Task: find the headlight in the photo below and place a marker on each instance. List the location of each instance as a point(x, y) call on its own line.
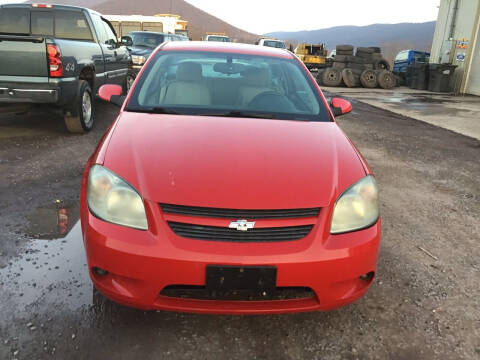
point(112, 199)
point(138, 60)
point(357, 207)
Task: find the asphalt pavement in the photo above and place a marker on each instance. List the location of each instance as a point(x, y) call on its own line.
point(424, 304)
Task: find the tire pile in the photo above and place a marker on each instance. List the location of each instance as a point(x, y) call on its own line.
point(367, 68)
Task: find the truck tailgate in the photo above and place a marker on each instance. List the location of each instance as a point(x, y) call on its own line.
point(23, 56)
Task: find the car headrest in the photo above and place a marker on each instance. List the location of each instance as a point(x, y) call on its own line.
point(189, 71)
point(257, 77)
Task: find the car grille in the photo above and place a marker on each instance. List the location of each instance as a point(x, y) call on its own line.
point(215, 233)
point(239, 213)
point(201, 293)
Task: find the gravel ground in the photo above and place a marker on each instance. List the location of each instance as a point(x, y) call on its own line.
point(424, 304)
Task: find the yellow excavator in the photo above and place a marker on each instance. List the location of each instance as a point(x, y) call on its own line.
point(314, 56)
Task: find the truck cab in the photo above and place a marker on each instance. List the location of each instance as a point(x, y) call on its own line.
point(406, 58)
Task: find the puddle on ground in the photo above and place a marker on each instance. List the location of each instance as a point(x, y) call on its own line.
point(52, 269)
point(52, 221)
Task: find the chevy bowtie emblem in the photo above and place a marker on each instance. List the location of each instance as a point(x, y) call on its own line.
point(242, 225)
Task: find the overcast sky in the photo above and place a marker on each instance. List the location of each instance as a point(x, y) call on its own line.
point(262, 16)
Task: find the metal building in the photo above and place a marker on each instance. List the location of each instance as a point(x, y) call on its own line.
point(457, 41)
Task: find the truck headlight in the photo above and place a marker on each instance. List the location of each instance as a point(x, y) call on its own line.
point(112, 199)
point(138, 60)
point(357, 208)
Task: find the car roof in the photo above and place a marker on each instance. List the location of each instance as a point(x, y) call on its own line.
point(54, 6)
point(226, 47)
point(267, 39)
point(148, 32)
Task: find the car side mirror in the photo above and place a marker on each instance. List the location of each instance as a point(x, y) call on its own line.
point(112, 93)
point(340, 106)
point(126, 41)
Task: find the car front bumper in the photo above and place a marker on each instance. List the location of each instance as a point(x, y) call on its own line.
point(142, 263)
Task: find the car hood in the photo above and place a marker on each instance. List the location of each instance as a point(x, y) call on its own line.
point(232, 162)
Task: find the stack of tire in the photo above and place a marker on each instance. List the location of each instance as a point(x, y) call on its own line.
point(366, 68)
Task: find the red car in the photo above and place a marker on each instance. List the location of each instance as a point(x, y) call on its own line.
point(226, 186)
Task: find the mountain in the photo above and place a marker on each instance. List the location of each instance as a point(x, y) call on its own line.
point(390, 37)
point(370, 35)
point(199, 21)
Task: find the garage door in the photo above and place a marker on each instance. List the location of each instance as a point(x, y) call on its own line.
point(473, 85)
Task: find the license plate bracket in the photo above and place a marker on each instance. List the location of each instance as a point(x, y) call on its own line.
point(259, 279)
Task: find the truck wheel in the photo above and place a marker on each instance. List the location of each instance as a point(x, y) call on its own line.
point(386, 79)
point(368, 78)
point(332, 77)
point(80, 118)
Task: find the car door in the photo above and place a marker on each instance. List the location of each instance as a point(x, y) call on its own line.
point(103, 64)
point(118, 63)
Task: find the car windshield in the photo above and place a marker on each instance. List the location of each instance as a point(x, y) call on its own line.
point(226, 84)
point(147, 40)
point(275, 44)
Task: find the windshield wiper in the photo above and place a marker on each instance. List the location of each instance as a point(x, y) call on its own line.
point(241, 114)
point(233, 113)
point(152, 110)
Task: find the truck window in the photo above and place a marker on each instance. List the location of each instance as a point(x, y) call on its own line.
point(419, 57)
point(72, 25)
point(42, 23)
point(402, 56)
point(14, 21)
point(111, 37)
point(101, 34)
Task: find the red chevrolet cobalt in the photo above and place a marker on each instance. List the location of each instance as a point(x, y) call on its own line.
point(226, 186)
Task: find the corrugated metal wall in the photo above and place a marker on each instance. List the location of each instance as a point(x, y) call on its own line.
point(456, 26)
point(472, 80)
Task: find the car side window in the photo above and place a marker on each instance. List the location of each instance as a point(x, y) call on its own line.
point(101, 34)
point(111, 37)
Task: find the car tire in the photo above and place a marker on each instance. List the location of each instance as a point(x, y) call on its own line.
point(386, 79)
point(381, 64)
point(332, 77)
point(344, 48)
point(358, 66)
point(341, 58)
point(356, 60)
point(350, 79)
point(347, 52)
point(130, 78)
point(376, 49)
point(338, 65)
point(364, 50)
point(368, 79)
point(80, 117)
point(319, 76)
